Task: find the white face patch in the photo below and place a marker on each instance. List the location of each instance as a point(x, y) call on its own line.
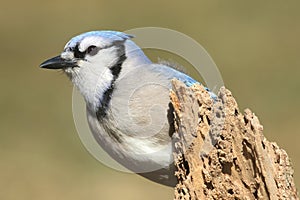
point(94, 76)
point(86, 42)
point(69, 71)
point(67, 55)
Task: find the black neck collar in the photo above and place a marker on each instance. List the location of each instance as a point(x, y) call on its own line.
point(106, 97)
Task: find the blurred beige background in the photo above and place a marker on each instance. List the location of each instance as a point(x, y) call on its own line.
point(255, 44)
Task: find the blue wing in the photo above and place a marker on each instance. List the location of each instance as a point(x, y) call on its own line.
point(188, 81)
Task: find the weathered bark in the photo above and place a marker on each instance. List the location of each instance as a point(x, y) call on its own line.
point(221, 153)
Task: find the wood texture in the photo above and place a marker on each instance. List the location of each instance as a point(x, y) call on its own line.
point(221, 153)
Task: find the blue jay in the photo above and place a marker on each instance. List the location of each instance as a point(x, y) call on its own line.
point(127, 100)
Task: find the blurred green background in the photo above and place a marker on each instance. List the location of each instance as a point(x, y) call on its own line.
point(255, 44)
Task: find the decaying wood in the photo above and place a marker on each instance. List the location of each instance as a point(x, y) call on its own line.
point(221, 153)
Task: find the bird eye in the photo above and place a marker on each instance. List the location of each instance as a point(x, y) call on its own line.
point(92, 50)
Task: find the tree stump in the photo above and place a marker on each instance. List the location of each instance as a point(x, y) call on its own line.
point(221, 153)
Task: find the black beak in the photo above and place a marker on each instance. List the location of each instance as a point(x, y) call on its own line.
point(58, 63)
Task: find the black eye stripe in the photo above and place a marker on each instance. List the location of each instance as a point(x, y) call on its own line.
point(77, 53)
point(91, 50)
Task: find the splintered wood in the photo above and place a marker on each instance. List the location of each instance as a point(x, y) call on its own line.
point(221, 153)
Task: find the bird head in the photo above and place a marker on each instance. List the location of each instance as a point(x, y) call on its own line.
point(93, 61)
point(96, 49)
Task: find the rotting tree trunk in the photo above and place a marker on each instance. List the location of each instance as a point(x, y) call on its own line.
point(221, 153)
